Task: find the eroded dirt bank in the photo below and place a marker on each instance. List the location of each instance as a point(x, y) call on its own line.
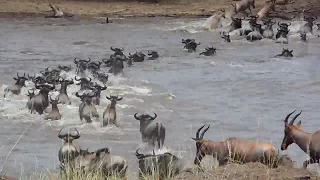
point(126, 8)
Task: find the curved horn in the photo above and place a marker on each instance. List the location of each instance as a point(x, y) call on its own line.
point(88, 60)
point(289, 24)
point(197, 134)
point(121, 48)
point(287, 117)
point(75, 77)
point(204, 131)
point(119, 99)
point(61, 136)
point(279, 23)
point(112, 48)
point(76, 136)
point(138, 155)
point(294, 118)
point(155, 116)
point(77, 94)
point(89, 78)
point(135, 116)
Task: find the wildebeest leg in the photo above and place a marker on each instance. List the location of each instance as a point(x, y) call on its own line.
point(311, 161)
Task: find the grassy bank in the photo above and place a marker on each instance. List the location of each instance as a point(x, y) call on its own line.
point(131, 8)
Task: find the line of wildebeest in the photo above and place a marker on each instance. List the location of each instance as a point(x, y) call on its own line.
point(152, 133)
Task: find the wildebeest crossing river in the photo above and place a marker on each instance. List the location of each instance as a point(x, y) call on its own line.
point(242, 91)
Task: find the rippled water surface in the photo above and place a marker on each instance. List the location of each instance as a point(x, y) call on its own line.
point(242, 91)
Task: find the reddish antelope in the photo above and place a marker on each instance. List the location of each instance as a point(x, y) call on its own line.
point(54, 114)
point(267, 8)
point(308, 142)
point(241, 150)
point(243, 5)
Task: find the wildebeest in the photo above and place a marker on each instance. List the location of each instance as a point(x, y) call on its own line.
point(267, 8)
point(137, 57)
point(282, 36)
point(308, 142)
point(268, 29)
point(102, 161)
point(96, 89)
point(65, 68)
point(163, 165)
point(151, 132)
point(116, 64)
point(81, 65)
point(63, 95)
point(285, 53)
point(117, 51)
point(226, 37)
point(210, 51)
point(93, 66)
point(303, 37)
point(153, 55)
point(30, 94)
point(85, 83)
point(110, 114)
point(16, 88)
point(101, 77)
point(317, 33)
point(243, 5)
point(190, 45)
point(68, 151)
point(307, 27)
point(248, 26)
point(240, 150)
point(40, 101)
point(256, 34)
point(57, 13)
point(54, 114)
point(235, 24)
point(86, 109)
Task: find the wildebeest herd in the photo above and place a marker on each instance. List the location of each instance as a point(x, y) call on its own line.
point(154, 133)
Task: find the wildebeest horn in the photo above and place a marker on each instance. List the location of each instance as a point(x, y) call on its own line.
point(76, 136)
point(279, 23)
point(75, 77)
point(75, 61)
point(294, 118)
point(51, 98)
point(278, 29)
point(77, 94)
point(88, 60)
point(61, 136)
point(289, 24)
point(135, 116)
point(119, 99)
point(287, 117)
point(155, 116)
point(121, 48)
point(112, 48)
point(138, 155)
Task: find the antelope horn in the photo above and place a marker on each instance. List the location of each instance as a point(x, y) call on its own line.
point(287, 117)
point(294, 118)
point(204, 131)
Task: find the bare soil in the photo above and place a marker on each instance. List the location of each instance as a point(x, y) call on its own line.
point(132, 8)
point(252, 171)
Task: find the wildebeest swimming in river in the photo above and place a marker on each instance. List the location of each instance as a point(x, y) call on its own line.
point(16, 88)
point(285, 53)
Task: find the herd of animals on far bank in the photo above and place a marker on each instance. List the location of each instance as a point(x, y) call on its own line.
point(254, 28)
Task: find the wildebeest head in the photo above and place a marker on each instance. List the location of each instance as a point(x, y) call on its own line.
point(303, 37)
point(286, 53)
point(117, 64)
point(86, 97)
point(288, 127)
point(97, 89)
point(190, 45)
point(44, 89)
point(117, 51)
point(64, 68)
point(284, 26)
point(54, 102)
point(20, 80)
point(84, 83)
point(236, 22)
point(31, 94)
point(209, 51)
point(81, 64)
point(93, 66)
point(258, 27)
point(186, 41)
point(68, 137)
point(226, 37)
point(282, 33)
point(101, 77)
point(145, 120)
point(310, 21)
point(64, 83)
point(114, 100)
point(252, 21)
point(137, 57)
point(153, 55)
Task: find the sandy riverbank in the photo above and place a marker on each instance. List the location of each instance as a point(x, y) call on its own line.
point(126, 8)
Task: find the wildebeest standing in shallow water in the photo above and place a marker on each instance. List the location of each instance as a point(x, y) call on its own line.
point(151, 132)
point(63, 95)
point(87, 110)
point(40, 101)
point(110, 114)
point(68, 151)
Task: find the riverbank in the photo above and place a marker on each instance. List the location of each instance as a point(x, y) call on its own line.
point(125, 8)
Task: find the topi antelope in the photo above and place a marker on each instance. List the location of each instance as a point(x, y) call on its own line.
point(54, 114)
point(267, 8)
point(241, 150)
point(151, 132)
point(308, 142)
point(110, 114)
point(243, 5)
point(16, 88)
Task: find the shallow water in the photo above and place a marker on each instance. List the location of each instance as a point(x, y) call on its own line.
point(242, 91)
